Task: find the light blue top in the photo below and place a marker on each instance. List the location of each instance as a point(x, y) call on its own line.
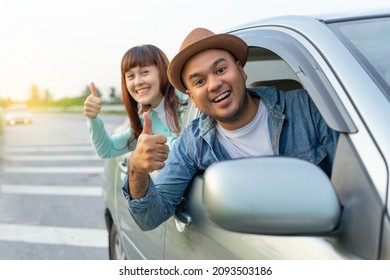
point(296, 129)
point(109, 146)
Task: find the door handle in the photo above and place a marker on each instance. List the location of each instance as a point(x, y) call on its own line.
point(182, 218)
point(123, 167)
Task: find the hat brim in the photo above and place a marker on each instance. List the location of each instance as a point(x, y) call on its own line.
point(233, 44)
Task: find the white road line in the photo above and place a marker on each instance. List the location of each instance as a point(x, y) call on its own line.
point(24, 149)
point(51, 190)
point(83, 237)
point(50, 157)
point(53, 170)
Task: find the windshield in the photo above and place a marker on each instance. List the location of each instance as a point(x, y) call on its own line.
point(17, 108)
point(369, 41)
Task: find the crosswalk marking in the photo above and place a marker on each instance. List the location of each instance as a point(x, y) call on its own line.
point(49, 150)
point(28, 149)
point(51, 190)
point(83, 237)
point(51, 170)
point(51, 157)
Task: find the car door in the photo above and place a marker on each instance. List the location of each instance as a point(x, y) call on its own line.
point(360, 176)
point(136, 243)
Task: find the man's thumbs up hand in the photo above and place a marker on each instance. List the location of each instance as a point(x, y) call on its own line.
point(147, 129)
point(151, 150)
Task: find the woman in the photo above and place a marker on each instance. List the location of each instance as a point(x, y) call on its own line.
point(145, 88)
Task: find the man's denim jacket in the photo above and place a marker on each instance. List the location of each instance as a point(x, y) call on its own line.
point(296, 129)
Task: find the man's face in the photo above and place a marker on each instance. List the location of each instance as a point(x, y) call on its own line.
point(216, 84)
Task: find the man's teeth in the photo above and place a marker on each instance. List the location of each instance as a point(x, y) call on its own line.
point(222, 96)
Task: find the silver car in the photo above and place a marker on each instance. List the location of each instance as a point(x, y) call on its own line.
point(18, 113)
point(287, 208)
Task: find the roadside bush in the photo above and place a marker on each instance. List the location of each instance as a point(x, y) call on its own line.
point(1, 123)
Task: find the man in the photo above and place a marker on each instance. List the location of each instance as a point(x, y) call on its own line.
point(235, 122)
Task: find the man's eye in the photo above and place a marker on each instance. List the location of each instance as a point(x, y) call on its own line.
point(221, 70)
point(199, 82)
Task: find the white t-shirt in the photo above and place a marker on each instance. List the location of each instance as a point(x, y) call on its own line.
point(250, 140)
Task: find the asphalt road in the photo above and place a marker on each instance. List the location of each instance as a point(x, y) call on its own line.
point(51, 204)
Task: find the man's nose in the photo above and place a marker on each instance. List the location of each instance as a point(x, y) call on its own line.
point(214, 83)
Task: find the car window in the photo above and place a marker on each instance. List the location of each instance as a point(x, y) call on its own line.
point(368, 40)
point(298, 64)
point(264, 65)
point(19, 107)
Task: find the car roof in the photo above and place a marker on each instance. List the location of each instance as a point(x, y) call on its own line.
point(293, 20)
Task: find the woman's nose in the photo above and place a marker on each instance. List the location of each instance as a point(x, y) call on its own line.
point(138, 80)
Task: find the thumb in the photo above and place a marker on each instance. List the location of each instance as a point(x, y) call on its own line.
point(147, 129)
point(93, 89)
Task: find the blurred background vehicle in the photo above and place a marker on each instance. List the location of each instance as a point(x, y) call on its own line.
point(284, 208)
point(18, 113)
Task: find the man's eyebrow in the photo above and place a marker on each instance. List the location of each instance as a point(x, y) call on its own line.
point(218, 61)
point(215, 64)
point(193, 75)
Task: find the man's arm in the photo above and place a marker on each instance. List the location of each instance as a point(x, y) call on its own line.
point(327, 137)
point(139, 182)
point(161, 196)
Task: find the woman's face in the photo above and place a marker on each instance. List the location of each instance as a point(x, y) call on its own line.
point(143, 85)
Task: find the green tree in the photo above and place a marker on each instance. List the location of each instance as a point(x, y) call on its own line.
point(47, 96)
point(34, 95)
point(114, 97)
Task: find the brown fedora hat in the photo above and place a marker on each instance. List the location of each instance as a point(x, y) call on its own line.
point(201, 39)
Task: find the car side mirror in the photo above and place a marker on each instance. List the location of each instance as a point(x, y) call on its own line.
point(270, 195)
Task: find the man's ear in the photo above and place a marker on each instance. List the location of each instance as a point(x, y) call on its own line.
point(189, 94)
point(192, 98)
point(241, 69)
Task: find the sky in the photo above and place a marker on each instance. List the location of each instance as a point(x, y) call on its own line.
point(62, 46)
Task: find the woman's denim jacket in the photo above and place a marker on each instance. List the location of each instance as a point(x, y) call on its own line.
point(296, 129)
